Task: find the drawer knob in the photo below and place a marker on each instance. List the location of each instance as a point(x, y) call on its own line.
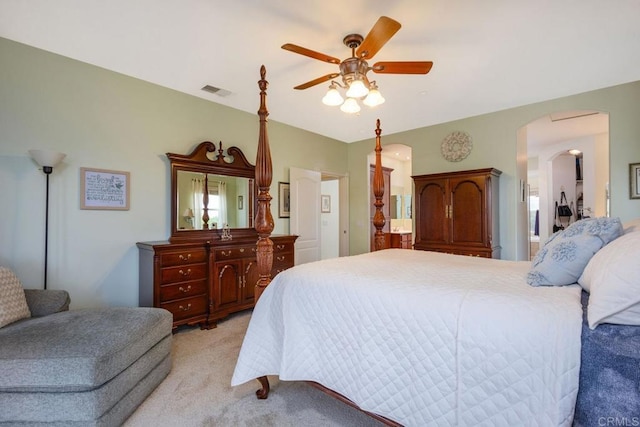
point(280, 247)
point(187, 308)
point(281, 258)
point(226, 253)
point(185, 273)
point(181, 289)
point(184, 258)
point(241, 250)
point(253, 249)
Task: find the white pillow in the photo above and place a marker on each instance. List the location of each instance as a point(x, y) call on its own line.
point(13, 303)
point(631, 226)
point(613, 279)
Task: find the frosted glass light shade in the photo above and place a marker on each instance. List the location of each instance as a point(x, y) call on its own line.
point(357, 89)
point(374, 98)
point(46, 158)
point(350, 106)
point(333, 97)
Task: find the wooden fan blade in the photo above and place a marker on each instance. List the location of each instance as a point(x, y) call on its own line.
point(310, 53)
point(379, 34)
point(399, 67)
point(317, 81)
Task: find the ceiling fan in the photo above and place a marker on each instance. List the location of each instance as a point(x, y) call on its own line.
point(354, 69)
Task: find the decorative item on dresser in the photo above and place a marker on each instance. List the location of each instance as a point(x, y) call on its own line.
point(457, 212)
point(208, 269)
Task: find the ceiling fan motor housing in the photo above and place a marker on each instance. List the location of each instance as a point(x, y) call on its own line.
point(352, 68)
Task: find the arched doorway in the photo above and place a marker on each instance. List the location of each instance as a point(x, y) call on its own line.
point(566, 151)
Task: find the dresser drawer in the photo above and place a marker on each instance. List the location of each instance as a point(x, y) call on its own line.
point(282, 260)
point(187, 307)
point(183, 290)
point(182, 258)
point(235, 252)
point(183, 273)
point(282, 247)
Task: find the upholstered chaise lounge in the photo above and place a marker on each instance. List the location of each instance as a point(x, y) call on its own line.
point(88, 367)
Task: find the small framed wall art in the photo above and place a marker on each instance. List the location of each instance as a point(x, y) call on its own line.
point(284, 200)
point(104, 189)
point(634, 180)
point(325, 203)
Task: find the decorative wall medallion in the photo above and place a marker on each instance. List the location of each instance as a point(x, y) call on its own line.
point(456, 146)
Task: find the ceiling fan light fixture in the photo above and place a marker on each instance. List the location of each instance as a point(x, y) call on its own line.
point(332, 97)
point(350, 106)
point(374, 98)
point(357, 89)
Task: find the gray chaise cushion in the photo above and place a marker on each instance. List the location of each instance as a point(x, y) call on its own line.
point(60, 352)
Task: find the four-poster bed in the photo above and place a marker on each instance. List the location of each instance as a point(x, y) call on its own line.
point(424, 338)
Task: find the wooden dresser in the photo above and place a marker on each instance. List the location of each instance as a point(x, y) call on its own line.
point(208, 267)
point(204, 281)
point(457, 212)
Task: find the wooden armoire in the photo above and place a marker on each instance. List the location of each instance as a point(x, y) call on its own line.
point(457, 212)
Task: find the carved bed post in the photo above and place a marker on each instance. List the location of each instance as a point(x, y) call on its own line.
point(264, 220)
point(378, 192)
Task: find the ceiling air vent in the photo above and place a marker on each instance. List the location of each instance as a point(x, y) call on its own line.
point(216, 90)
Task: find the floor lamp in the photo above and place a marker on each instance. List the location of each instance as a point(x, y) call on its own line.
point(48, 160)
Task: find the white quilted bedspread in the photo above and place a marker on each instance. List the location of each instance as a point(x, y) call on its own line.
point(423, 338)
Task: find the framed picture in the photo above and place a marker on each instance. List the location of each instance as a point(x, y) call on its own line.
point(325, 203)
point(284, 201)
point(104, 189)
point(634, 180)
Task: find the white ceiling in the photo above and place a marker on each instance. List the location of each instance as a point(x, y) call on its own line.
point(488, 55)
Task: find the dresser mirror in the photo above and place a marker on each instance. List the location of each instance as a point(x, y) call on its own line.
point(211, 188)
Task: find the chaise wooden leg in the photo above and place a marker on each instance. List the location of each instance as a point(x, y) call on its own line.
point(263, 393)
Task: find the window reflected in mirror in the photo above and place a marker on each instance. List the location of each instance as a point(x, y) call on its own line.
point(209, 201)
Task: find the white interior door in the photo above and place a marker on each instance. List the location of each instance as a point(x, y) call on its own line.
point(305, 213)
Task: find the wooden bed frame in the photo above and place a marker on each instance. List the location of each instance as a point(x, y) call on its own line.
point(264, 224)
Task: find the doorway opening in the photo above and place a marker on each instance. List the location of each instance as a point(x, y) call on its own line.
point(319, 214)
point(567, 153)
point(334, 216)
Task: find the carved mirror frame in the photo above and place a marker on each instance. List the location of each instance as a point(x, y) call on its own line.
point(208, 159)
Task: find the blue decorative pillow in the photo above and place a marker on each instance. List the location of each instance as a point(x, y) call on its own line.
point(566, 253)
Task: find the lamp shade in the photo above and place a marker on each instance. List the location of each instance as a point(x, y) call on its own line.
point(46, 158)
point(350, 106)
point(333, 97)
point(373, 98)
point(357, 89)
point(188, 213)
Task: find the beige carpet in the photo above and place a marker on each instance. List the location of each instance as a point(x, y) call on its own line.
point(197, 392)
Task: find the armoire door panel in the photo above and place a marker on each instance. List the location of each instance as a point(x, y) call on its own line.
point(432, 209)
point(467, 211)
